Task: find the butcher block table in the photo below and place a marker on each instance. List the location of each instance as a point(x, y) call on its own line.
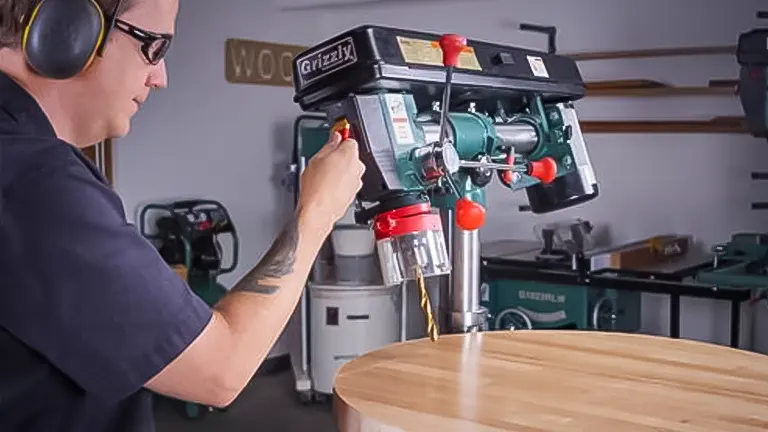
point(541, 381)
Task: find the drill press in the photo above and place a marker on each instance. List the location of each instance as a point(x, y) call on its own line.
point(435, 116)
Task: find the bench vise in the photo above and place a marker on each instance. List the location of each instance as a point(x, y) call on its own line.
point(437, 117)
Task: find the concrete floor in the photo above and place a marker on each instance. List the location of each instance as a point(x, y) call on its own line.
point(269, 403)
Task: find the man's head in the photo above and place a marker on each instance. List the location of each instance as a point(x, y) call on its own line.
point(99, 102)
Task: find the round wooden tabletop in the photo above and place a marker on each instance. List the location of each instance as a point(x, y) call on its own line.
point(553, 381)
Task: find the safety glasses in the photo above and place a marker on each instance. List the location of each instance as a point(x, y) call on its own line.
point(154, 46)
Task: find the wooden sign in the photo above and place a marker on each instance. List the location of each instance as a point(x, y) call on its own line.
point(260, 63)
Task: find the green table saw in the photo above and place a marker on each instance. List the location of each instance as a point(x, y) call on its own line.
point(521, 304)
point(512, 276)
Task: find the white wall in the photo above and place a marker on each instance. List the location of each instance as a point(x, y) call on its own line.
point(232, 142)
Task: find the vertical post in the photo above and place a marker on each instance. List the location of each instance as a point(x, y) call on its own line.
point(466, 315)
point(445, 296)
point(304, 301)
point(460, 292)
point(404, 311)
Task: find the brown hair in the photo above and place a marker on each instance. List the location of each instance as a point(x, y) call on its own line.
point(13, 13)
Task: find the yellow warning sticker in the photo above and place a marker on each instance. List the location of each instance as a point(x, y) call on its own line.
point(420, 51)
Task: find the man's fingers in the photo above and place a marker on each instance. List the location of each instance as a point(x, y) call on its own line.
point(333, 142)
point(349, 145)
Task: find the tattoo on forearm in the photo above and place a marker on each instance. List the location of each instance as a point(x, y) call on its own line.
point(276, 263)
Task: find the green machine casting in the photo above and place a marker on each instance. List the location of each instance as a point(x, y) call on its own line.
point(520, 304)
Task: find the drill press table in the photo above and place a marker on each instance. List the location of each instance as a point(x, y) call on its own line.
point(553, 381)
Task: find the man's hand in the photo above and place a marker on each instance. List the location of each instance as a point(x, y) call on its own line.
point(215, 368)
point(331, 179)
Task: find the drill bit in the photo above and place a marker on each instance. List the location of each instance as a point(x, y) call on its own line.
point(432, 330)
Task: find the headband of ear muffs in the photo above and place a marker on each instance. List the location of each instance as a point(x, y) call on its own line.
point(62, 37)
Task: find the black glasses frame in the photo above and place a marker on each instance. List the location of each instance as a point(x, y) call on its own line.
point(147, 39)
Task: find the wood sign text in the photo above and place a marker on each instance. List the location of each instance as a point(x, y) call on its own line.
point(260, 63)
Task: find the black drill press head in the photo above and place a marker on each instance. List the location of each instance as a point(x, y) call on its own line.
point(434, 116)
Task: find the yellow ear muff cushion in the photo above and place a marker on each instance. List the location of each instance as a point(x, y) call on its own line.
point(62, 37)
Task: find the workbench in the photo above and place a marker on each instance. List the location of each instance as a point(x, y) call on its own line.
point(671, 279)
point(553, 380)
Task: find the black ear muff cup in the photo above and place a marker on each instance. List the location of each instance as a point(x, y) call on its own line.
point(62, 37)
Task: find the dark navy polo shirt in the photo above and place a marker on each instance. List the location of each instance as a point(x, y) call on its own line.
point(88, 309)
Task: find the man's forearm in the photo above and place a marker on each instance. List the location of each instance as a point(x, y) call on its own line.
point(258, 307)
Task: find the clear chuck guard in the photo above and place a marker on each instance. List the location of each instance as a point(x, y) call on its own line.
point(409, 240)
point(410, 245)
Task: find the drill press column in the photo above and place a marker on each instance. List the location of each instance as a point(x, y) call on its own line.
point(466, 313)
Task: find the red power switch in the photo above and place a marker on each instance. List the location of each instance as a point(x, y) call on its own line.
point(544, 169)
point(452, 46)
point(469, 214)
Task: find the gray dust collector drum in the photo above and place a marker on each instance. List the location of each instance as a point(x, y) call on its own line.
point(355, 259)
point(348, 321)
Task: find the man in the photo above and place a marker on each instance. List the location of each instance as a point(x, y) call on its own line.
point(91, 319)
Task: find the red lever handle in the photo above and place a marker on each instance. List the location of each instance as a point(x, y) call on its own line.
point(345, 132)
point(452, 45)
point(469, 214)
point(544, 169)
point(508, 176)
point(343, 128)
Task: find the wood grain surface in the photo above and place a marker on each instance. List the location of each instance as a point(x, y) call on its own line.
point(534, 381)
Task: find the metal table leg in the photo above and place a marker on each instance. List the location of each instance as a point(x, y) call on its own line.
point(674, 316)
point(735, 323)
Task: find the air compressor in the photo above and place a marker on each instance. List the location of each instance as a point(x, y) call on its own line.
point(187, 236)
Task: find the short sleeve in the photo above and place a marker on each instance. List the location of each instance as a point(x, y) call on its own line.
point(83, 288)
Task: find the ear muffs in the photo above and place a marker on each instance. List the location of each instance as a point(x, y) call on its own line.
point(62, 37)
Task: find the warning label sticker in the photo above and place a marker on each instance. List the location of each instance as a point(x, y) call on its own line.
point(419, 51)
point(538, 67)
point(398, 114)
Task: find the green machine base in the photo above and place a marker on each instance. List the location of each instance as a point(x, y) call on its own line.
point(516, 304)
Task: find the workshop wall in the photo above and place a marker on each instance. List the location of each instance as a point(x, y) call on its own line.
point(232, 142)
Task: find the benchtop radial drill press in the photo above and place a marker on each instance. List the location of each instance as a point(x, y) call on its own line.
point(435, 117)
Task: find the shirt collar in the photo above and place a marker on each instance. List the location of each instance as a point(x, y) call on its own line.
point(19, 108)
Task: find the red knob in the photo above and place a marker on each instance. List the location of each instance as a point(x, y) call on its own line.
point(469, 214)
point(544, 169)
point(452, 46)
point(345, 132)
